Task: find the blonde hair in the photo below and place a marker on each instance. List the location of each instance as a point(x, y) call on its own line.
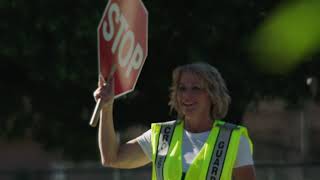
point(213, 82)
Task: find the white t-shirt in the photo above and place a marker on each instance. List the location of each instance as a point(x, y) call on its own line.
point(192, 144)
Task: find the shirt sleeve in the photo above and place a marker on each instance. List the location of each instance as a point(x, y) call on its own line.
point(144, 141)
point(244, 156)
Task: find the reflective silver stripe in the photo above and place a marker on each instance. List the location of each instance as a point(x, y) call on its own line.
point(165, 137)
point(220, 151)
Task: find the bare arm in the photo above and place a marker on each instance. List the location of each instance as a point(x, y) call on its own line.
point(128, 155)
point(244, 173)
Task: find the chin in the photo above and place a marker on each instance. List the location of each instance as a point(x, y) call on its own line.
point(189, 115)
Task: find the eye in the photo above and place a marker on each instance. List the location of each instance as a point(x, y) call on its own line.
point(196, 88)
point(182, 88)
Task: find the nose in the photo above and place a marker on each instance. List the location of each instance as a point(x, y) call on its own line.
point(187, 93)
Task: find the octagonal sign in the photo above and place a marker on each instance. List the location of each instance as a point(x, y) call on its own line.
point(123, 41)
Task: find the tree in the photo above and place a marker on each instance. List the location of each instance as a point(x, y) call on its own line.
point(49, 65)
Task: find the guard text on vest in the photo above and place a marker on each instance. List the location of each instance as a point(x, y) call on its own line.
point(217, 162)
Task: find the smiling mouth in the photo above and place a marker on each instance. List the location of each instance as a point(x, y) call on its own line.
point(188, 104)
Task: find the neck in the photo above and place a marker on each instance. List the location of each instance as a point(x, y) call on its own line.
point(197, 125)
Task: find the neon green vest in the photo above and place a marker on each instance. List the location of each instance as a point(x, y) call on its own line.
point(210, 164)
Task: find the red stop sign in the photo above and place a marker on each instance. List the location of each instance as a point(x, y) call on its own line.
point(123, 41)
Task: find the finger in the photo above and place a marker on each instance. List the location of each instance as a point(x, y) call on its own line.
point(112, 71)
point(101, 81)
point(105, 94)
point(109, 88)
point(97, 94)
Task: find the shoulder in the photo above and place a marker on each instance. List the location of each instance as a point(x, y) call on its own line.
point(244, 155)
point(166, 122)
point(229, 125)
point(164, 127)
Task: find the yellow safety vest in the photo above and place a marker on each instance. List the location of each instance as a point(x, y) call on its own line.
point(215, 161)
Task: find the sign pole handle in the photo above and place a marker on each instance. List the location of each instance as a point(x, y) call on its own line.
point(95, 115)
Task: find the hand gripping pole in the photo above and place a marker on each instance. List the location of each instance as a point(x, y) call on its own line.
point(95, 115)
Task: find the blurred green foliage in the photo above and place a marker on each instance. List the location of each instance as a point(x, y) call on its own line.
point(48, 53)
point(288, 36)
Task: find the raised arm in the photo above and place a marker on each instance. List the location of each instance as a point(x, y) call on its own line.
point(128, 155)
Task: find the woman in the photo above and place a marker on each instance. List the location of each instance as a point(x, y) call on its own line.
point(196, 146)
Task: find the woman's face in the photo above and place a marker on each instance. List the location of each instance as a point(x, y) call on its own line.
point(193, 99)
